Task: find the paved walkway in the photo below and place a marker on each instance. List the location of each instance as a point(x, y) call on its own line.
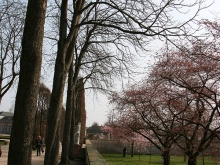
point(36, 160)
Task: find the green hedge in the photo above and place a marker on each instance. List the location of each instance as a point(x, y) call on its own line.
point(4, 136)
point(4, 142)
point(4, 139)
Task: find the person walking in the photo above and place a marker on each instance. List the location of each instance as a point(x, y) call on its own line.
point(38, 144)
point(124, 151)
point(0, 151)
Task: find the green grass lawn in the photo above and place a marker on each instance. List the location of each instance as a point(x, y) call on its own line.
point(117, 159)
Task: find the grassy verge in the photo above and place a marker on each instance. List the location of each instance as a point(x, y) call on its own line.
point(117, 159)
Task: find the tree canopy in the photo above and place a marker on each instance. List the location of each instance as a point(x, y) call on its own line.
point(178, 103)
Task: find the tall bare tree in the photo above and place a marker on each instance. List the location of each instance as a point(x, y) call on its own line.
point(20, 148)
point(72, 93)
point(12, 23)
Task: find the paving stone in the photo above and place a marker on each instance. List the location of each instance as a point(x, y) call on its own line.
point(36, 160)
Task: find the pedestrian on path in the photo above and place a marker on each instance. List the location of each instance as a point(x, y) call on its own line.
point(124, 152)
point(0, 151)
point(38, 144)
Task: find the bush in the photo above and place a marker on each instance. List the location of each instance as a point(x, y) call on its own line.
point(4, 142)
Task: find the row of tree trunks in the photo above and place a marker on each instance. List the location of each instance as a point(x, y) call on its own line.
point(75, 114)
point(64, 59)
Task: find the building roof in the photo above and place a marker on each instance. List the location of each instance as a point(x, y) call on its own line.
point(2, 113)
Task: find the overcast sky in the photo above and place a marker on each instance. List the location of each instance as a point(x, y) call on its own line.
point(97, 108)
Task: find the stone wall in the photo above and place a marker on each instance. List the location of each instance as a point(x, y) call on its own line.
point(115, 147)
point(93, 157)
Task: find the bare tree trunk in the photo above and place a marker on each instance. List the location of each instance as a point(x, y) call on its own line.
point(20, 148)
point(68, 118)
point(184, 157)
point(41, 114)
point(72, 130)
point(56, 146)
point(81, 108)
point(63, 61)
point(166, 156)
point(192, 161)
point(54, 114)
point(35, 123)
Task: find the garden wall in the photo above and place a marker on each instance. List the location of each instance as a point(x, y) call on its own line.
point(115, 147)
point(93, 157)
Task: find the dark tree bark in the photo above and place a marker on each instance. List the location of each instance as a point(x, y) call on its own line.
point(192, 161)
point(68, 118)
point(81, 102)
point(166, 157)
point(35, 125)
point(55, 148)
point(20, 148)
point(72, 130)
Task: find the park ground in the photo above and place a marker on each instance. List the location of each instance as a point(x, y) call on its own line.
point(36, 160)
point(117, 159)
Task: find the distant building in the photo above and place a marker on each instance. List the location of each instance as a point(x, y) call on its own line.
point(96, 132)
point(6, 119)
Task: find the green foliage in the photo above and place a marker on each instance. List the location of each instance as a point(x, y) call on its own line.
point(4, 142)
point(4, 139)
point(4, 136)
point(117, 159)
